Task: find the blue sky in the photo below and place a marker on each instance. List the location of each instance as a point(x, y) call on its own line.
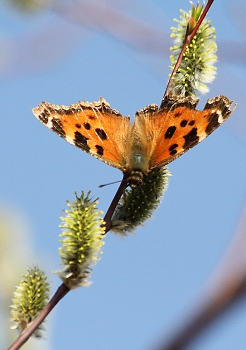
point(144, 285)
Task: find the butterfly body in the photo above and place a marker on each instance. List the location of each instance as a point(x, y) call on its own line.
point(156, 138)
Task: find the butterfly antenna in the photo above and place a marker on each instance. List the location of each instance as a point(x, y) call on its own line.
point(110, 183)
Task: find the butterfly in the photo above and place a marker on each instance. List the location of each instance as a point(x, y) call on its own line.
point(157, 136)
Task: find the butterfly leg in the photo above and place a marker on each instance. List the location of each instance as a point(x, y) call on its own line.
point(154, 188)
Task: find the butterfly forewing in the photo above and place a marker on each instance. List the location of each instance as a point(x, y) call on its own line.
point(93, 127)
point(184, 127)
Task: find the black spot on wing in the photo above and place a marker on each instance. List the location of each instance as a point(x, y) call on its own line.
point(170, 131)
point(81, 141)
point(101, 133)
point(183, 123)
point(191, 139)
point(192, 122)
point(57, 127)
point(78, 125)
point(177, 114)
point(212, 123)
point(100, 150)
point(172, 150)
point(43, 118)
point(87, 126)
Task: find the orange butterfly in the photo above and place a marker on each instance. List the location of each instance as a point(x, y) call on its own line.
point(156, 138)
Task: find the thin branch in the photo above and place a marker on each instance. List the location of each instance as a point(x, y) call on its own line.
point(26, 334)
point(111, 209)
point(187, 42)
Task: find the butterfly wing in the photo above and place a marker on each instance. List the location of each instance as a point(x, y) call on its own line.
point(93, 127)
point(177, 126)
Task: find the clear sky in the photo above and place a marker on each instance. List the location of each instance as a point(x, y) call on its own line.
point(145, 284)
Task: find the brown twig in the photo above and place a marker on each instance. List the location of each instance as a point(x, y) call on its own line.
point(25, 335)
point(187, 42)
point(111, 209)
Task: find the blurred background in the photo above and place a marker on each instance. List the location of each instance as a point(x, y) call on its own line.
point(144, 285)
